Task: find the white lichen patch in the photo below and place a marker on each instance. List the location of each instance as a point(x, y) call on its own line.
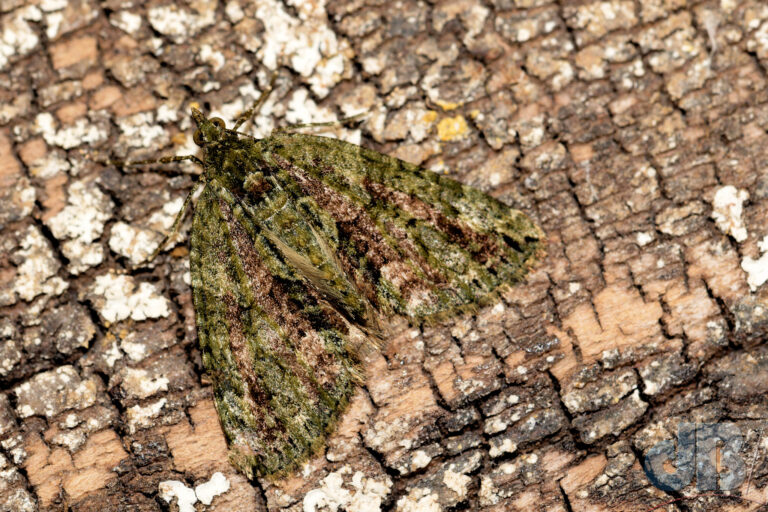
point(758, 42)
point(71, 421)
point(49, 166)
point(10, 356)
point(305, 43)
point(52, 5)
point(419, 499)
point(530, 458)
point(213, 58)
point(302, 109)
point(234, 11)
point(186, 497)
point(17, 499)
point(495, 425)
point(140, 384)
point(757, 269)
point(487, 494)
point(82, 131)
point(420, 123)
point(72, 440)
point(138, 243)
point(116, 297)
point(727, 209)
point(112, 353)
point(644, 238)
point(18, 106)
point(82, 256)
point(392, 434)
point(179, 23)
point(135, 351)
point(651, 387)
point(50, 393)
point(21, 197)
point(421, 459)
point(135, 243)
point(167, 113)
point(462, 326)
point(359, 494)
point(469, 386)
point(218, 484)
point(531, 131)
point(457, 482)
point(62, 16)
point(473, 18)
point(53, 23)
point(141, 131)
point(138, 417)
point(126, 21)
point(18, 37)
point(506, 446)
point(36, 275)
point(80, 224)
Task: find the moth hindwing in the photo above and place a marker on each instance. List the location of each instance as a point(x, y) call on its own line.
point(296, 238)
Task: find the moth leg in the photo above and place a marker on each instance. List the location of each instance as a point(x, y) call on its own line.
point(248, 114)
point(176, 223)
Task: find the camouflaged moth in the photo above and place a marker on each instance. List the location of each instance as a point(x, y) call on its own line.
point(297, 238)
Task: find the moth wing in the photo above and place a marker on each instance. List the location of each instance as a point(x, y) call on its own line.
point(278, 357)
point(427, 244)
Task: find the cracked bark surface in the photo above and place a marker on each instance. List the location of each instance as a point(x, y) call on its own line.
point(633, 132)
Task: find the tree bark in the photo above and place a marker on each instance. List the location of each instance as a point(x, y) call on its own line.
point(634, 133)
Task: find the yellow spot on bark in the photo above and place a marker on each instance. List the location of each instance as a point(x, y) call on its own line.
point(429, 117)
point(447, 105)
point(452, 128)
point(179, 139)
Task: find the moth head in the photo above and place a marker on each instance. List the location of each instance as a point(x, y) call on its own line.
point(209, 131)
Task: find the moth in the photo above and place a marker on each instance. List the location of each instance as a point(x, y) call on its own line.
point(298, 239)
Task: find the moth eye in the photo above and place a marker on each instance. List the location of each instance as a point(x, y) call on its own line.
point(218, 122)
point(198, 138)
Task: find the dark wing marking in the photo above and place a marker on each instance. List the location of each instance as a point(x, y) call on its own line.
point(277, 354)
point(424, 243)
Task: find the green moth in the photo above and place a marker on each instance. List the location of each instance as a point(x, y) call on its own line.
point(298, 239)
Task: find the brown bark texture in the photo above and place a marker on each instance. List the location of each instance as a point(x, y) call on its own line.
point(633, 132)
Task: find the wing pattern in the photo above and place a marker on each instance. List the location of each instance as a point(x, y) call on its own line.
point(295, 240)
point(276, 351)
point(427, 243)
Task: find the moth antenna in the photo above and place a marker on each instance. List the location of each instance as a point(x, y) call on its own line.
point(162, 160)
point(176, 223)
point(248, 114)
point(343, 120)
